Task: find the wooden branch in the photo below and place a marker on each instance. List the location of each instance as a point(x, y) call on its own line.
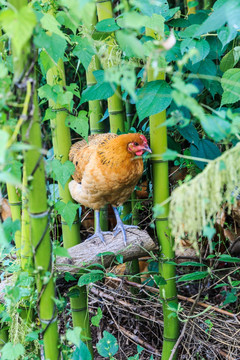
point(139, 243)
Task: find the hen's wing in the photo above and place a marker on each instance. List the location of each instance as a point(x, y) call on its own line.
point(81, 152)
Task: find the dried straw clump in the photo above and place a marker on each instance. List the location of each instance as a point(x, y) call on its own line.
point(195, 204)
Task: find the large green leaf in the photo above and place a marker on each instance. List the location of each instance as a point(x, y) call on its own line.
point(18, 25)
point(130, 44)
point(62, 171)
point(79, 123)
point(205, 149)
point(216, 127)
point(54, 44)
point(67, 211)
point(231, 86)
point(107, 25)
point(197, 275)
point(91, 277)
point(102, 90)
point(84, 51)
point(50, 24)
point(153, 97)
point(228, 11)
point(12, 351)
point(107, 346)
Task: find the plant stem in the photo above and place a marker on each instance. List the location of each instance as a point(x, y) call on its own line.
point(168, 292)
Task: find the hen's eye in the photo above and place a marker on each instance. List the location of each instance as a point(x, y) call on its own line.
point(136, 144)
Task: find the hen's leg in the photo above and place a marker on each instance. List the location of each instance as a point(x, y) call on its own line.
point(98, 232)
point(121, 226)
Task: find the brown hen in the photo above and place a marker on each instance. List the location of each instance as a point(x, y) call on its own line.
point(108, 168)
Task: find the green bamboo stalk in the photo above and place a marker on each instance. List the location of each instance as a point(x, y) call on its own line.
point(61, 143)
point(168, 292)
point(61, 139)
point(96, 127)
point(115, 103)
point(37, 205)
point(132, 266)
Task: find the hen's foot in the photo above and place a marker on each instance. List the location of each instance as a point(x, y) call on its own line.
point(121, 226)
point(100, 234)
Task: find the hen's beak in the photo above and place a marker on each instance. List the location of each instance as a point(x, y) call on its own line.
point(147, 148)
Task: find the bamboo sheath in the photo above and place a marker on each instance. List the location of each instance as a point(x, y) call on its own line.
point(168, 292)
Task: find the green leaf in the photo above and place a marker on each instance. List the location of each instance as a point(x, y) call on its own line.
point(54, 44)
point(227, 61)
point(107, 346)
point(205, 149)
point(229, 258)
point(125, 76)
point(216, 127)
point(10, 227)
point(226, 34)
point(50, 24)
point(67, 211)
point(228, 12)
point(156, 23)
point(82, 352)
point(230, 297)
point(62, 171)
point(197, 275)
point(11, 351)
point(19, 26)
point(45, 62)
point(69, 277)
point(79, 123)
point(60, 251)
point(129, 43)
point(159, 280)
point(84, 51)
point(132, 20)
point(6, 177)
point(153, 97)
point(102, 90)
point(169, 155)
point(95, 320)
point(49, 92)
point(74, 335)
point(91, 277)
point(49, 115)
point(231, 86)
point(107, 25)
point(191, 263)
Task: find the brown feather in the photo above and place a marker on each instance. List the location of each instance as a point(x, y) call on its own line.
point(107, 171)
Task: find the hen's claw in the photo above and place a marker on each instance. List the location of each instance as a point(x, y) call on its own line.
point(99, 233)
point(121, 226)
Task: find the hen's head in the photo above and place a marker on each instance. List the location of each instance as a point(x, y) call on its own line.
point(137, 144)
